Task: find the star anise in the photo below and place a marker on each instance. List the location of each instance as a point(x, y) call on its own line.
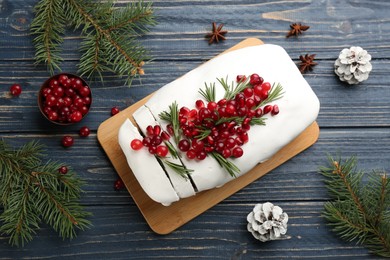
point(297, 29)
point(217, 34)
point(307, 63)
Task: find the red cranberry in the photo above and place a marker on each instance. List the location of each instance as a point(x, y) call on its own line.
point(152, 149)
point(149, 130)
point(76, 116)
point(63, 170)
point(114, 111)
point(15, 90)
point(240, 78)
point(52, 115)
point(165, 136)
point(62, 79)
point(136, 144)
point(67, 141)
point(184, 145)
point(118, 184)
point(275, 110)
point(84, 91)
point(156, 130)
point(267, 109)
point(84, 131)
point(191, 154)
point(237, 152)
point(266, 86)
point(201, 155)
point(197, 145)
point(58, 91)
point(162, 150)
point(147, 141)
point(199, 104)
point(53, 83)
point(255, 79)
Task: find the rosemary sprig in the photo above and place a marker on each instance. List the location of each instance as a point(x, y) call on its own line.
point(230, 167)
point(178, 168)
point(275, 93)
point(239, 120)
point(172, 117)
point(209, 92)
point(172, 150)
point(230, 90)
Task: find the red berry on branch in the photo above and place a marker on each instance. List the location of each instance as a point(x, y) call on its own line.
point(15, 90)
point(63, 170)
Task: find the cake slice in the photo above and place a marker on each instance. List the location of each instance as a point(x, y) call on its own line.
point(298, 106)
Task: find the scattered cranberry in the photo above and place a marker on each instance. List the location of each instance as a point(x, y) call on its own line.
point(84, 131)
point(63, 170)
point(162, 150)
point(76, 116)
point(114, 111)
point(16, 90)
point(67, 141)
point(118, 184)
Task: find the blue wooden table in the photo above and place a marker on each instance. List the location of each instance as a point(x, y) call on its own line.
point(353, 120)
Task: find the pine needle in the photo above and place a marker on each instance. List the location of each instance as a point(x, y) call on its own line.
point(32, 192)
point(360, 207)
point(109, 35)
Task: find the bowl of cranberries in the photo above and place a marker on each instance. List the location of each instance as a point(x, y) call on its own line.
point(64, 99)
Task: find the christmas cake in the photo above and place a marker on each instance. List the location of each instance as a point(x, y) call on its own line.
point(217, 122)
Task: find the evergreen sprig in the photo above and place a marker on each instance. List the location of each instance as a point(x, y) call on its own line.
point(32, 192)
point(360, 206)
point(109, 35)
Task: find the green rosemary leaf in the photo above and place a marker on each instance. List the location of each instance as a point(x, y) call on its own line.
point(204, 132)
point(172, 150)
point(231, 91)
point(209, 92)
point(230, 167)
point(165, 116)
point(172, 117)
point(275, 93)
point(178, 168)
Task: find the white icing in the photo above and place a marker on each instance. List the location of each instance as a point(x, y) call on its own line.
point(299, 106)
point(145, 167)
point(183, 186)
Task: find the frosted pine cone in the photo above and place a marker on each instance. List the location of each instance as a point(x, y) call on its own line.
point(267, 222)
point(353, 65)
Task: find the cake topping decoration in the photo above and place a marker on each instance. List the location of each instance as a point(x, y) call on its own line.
point(216, 128)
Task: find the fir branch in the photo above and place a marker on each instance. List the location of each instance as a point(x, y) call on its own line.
point(178, 168)
point(109, 35)
point(209, 92)
point(229, 166)
point(32, 192)
point(360, 210)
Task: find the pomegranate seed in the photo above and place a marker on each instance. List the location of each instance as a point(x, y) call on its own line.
point(237, 152)
point(147, 141)
point(193, 113)
point(224, 134)
point(230, 143)
point(209, 149)
point(199, 104)
point(191, 154)
point(63, 170)
point(251, 113)
point(255, 79)
point(67, 141)
point(226, 153)
point(170, 129)
point(246, 121)
point(222, 111)
point(156, 130)
point(204, 113)
point(222, 102)
point(246, 127)
point(152, 149)
point(184, 111)
point(210, 140)
point(84, 131)
point(184, 145)
point(239, 141)
point(165, 136)
point(149, 130)
point(257, 100)
point(156, 140)
point(136, 144)
point(201, 155)
point(258, 112)
point(240, 78)
point(162, 150)
point(197, 145)
point(267, 109)
point(250, 102)
point(263, 94)
point(257, 90)
point(275, 110)
point(15, 90)
point(212, 105)
point(242, 111)
point(114, 111)
point(244, 137)
point(230, 109)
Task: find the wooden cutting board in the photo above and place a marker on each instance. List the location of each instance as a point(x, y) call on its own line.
point(164, 220)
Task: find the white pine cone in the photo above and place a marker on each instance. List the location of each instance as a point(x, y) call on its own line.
point(353, 65)
point(267, 222)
